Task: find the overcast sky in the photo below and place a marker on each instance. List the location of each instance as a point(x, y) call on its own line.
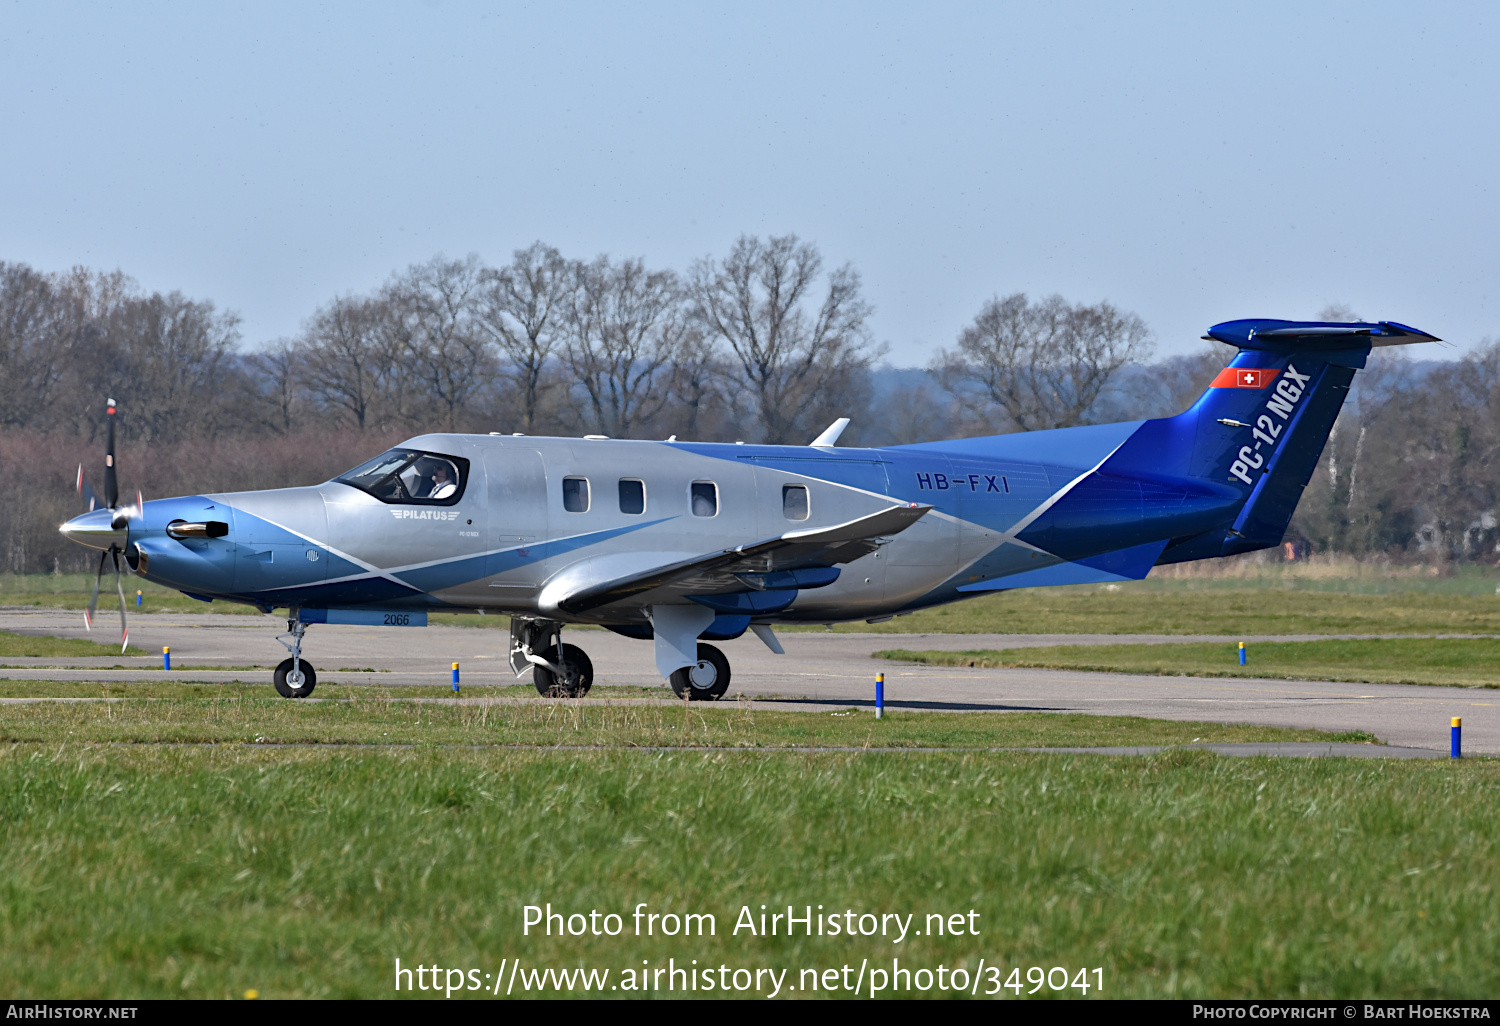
point(1192, 163)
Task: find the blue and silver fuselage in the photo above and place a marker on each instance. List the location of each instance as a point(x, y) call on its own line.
point(1008, 511)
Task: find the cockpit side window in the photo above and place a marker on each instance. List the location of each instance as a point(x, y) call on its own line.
point(411, 477)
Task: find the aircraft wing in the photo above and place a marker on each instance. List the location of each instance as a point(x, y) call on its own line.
point(718, 571)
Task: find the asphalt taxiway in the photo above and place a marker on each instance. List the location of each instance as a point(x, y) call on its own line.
point(819, 669)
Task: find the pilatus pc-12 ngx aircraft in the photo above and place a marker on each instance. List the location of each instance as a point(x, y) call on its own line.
point(683, 543)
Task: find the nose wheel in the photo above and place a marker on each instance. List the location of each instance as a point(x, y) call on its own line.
point(295, 677)
point(704, 681)
point(295, 680)
point(574, 681)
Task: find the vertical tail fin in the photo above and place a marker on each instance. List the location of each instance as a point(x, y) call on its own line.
point(1261, 426)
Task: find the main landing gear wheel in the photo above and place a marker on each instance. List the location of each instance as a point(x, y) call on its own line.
point(298, 683)
point(577, 676)
point(704, 681)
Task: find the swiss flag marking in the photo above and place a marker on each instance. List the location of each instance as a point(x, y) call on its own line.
point(1244, 377)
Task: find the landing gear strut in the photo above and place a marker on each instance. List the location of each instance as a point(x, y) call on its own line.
point(557, 670)
point(704, 681)
point(294, 677)
point(574, 681)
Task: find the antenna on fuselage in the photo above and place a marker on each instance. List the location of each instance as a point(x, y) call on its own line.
point(830, 435)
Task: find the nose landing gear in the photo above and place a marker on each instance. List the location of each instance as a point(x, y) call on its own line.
point(557, 670)
point(574, 681)
point(294, 678)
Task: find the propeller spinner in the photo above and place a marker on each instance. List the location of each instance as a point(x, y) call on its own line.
point(105, 526)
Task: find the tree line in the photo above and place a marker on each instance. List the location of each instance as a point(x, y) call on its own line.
point(763, 343)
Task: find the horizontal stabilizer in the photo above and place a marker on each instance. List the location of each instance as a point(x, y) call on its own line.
point(717, 571)
point(1289, 336)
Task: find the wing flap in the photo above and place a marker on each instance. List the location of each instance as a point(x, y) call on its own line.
point(715, 571)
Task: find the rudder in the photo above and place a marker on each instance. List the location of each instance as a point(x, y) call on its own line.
point(1262, 424)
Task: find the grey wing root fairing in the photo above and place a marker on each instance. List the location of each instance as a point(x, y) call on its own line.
point(753, 567)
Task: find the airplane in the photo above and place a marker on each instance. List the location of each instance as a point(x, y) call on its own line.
point(684, 543)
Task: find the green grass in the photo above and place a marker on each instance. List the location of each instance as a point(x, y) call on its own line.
point(174, 686)
point(1139, 609)
point(1459, 662)
point(43, 646)
point(367, 715)
point(71, 591)
point(204, 872)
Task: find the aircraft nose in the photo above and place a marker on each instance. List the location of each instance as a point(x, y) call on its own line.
point(95, 530)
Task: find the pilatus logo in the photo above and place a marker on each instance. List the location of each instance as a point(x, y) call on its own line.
point(425, 514)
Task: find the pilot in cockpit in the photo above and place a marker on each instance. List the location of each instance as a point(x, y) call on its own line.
point(443, 484)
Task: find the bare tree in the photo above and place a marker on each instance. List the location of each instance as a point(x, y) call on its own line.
point(704, 406)
point(792, 357)
point(32, 344)
point(625, 329)
point(164, 357)
point(345, 362)
point(520, 311)
point(430, 314)
point(1173, 383)
point(1043, 364)
point(91, 301)
point(276, 374)
point(914, 413)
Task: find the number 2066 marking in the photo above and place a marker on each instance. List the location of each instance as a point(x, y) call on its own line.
point(398, 619)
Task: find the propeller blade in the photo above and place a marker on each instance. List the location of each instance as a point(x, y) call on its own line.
point(88, 614)
point(86, 492)
point(124, 624)
point(111, 488)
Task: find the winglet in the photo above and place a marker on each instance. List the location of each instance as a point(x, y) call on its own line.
point(830, 435)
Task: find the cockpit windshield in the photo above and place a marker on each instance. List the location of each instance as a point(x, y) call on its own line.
point(411, 476)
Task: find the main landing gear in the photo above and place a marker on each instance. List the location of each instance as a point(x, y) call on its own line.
point(295, 678)
point(704, 681)
point(557, 670)
point(564, 671)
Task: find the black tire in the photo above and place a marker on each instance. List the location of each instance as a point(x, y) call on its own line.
point(575, 683)
point(290, 689)
point(707, 680)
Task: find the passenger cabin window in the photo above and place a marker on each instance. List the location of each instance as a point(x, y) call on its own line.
point(576, 494)
point(408, 476)
point(705, 499)
point(794, 502)
point(632, 495)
